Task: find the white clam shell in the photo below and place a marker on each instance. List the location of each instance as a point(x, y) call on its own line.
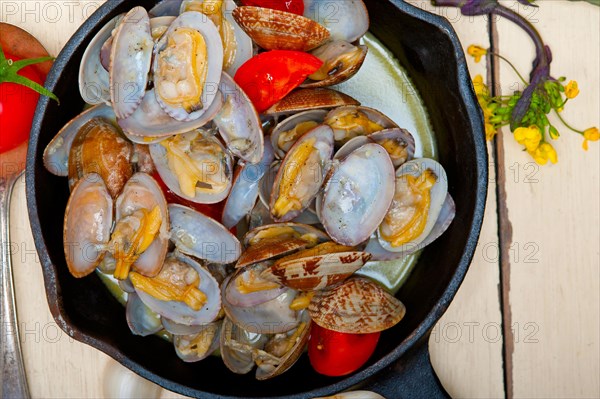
point(357, 195)
point(140, 318)
point(87, 224)
point(166, 8)
point(93, 77)
point(237, 347)
point(200, 236)
point(189, 352)
point(244, 45)
point(130, 58)
point(178, 311)
point(345, 19)
point(238, 122)
point(244, 192)
point(214, 53)
point(150, 123)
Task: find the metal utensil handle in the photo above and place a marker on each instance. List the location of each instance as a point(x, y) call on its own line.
point(14, 379)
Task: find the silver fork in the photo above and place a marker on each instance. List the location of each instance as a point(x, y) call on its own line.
point(14, 379)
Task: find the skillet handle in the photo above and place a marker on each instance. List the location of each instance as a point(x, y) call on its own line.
point(411, 377)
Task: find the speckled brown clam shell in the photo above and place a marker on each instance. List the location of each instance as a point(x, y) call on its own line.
point(307, 99)
point(280, 30)
point(316, 272)
point(356, 306)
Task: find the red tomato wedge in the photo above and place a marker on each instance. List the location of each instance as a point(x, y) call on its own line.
point(294, 6)
point(336, 354)
point(268, 77)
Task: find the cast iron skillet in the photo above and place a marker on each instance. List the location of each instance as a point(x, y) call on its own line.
point(428, 48)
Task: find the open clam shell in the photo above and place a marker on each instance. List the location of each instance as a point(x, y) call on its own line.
point(265, 186)
point(213, 164)
point(287, 132)
point(238, 122)
point(349, 22)
point(140, 318)
point(244, 47)
point(195, 347)
point(244, 192)
point(270, 317)
point(341, 61)
point(272, 364)
point(279, 239)
point(300, 177)
point(159, 25)
point(306, 99)
point(150, 122)
point(399, 143)
point(441, 225)
point(93, 75)
point(356, 306)
point(245, 300)
point(56, 154)
point(357, 195)
point(214, 55)
point(99, 147)
point(130, 58)
point(438, 194)
point(180, 329)
point(142, 192)
point(87, 224)
point(352, 121)
point(280, 30)
point(316, 272)
point(237, 347)
point(178, 311)
point(202, 237)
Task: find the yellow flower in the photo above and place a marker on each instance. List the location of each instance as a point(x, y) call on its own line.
point(572, 89)
point(476, 52)
point(544, 153)
point(480, 87)
point(591, 134)
point(530, 137)
point(490, 131)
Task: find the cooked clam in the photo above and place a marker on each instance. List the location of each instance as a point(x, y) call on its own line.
point(248, 289)
point(238, 123)
point(280, 30)
point(317, 267)
point(184, 291)
point(195, 166)
point(130, 58)
point(187, 66)
point(351, 121)
point(357, 195)
point(198, 346)
point(288, 131)
point(421, 189)
point(399, 143)
point(301, 174)
point(98, 147)
point(140, 318)
point(356, 306)
point(341, 61)
point(237, 347)
point(84, 240)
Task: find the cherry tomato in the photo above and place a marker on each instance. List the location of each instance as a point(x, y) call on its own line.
point(336, 354)
point(211, 210)
point(17, 106)
point(294, 6)
point(270, 76)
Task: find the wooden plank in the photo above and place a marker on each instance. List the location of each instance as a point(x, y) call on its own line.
point(466, 344)
point(554, 253)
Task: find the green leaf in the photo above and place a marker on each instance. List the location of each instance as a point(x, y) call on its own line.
point(23, 81)
point(594, 2)
point(18, 65)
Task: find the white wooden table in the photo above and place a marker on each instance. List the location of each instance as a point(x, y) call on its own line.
point(526, 321)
